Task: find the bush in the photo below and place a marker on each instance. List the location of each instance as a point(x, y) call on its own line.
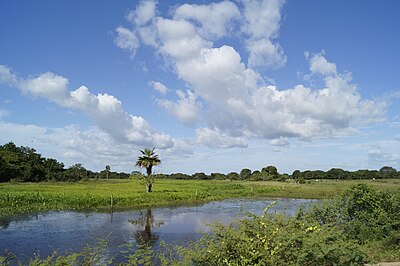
point(272, 240)
point(363, 213)
point(336, 232)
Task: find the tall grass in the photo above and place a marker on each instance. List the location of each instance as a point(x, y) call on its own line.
point(360, 226)
point(18, 198)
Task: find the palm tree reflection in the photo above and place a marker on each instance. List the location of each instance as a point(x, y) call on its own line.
point(147, 221)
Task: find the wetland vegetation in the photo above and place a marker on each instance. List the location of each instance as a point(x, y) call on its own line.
point(359, 226)
point(95, 194)
point(358, 223)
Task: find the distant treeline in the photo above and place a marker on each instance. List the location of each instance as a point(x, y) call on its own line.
point(24, 164)
point(271, 173)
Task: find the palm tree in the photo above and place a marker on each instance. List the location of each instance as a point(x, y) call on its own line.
point(107, 170)
point(148, 160)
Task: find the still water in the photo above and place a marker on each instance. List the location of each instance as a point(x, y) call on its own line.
point(42, 233)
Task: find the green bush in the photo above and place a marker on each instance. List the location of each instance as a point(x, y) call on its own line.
point(268, 240)
point(363, 213)
point(337, 232)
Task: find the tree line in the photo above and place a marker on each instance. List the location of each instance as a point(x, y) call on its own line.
point(24, 164)
point(270, 173)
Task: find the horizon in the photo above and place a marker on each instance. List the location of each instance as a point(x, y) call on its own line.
point(213, 86)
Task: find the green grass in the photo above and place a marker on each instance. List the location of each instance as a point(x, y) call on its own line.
point(16, 198)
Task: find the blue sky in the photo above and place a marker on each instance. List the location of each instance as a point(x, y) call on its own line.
point(214, 86)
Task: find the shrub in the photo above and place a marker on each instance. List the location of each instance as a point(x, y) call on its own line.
point(272, 240)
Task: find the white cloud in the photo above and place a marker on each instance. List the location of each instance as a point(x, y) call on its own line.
point(280, 142)
point(148, 35)
point(214, 19)
point(71, 144)
point(376, 155)
point(185, 109)
point(105, 109)
point(143, 13)
point(214, 138)
point(179, 39)
point(218, 74)
point(267, 112)
point(263, 53)
point(127, 40)
point(47, 85)
point(158, 86)
point(319, 64)
point(91, 146)
point(262, 23)
point(7, 77)
point(237, 104)
point(262, 17)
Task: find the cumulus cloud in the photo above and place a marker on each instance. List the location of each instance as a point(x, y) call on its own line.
point(319, 64)
point(263, 53)
point(215, 138)
point(143, 13)
point(105, 109)
point(126, 40)
point(237, 103)
point(47, 85)
point(262, 23)
point(185, 109)
point(158, 86)
point(214, 19)
point(72, 144)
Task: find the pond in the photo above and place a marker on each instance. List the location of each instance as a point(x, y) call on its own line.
point(42, 233)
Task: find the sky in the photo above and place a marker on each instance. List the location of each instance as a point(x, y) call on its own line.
point(213, 86)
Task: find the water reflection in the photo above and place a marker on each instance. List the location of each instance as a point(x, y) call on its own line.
point(146, 221)
point(72, 231)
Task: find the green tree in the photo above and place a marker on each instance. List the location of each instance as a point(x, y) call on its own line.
point(199, 176)
point(53, 168)
point(245, 174)
point(75, 172)
point(21, 163)
point(148, 160)
point(233, 176)
point(270, 172)
point(388, 172)
point(337, 173)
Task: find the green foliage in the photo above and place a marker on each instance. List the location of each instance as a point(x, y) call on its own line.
point(245, 174)
point(363, 213)
point(148, 160)
point(361, 226)
point(95, 194)
point(271, 240)
point(301, 180)
point(138, 254)
point(338, 232)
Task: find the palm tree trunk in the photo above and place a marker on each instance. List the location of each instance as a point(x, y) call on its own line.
point(148, 187)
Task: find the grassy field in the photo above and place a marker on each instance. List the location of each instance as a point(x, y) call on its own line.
point(18, 198)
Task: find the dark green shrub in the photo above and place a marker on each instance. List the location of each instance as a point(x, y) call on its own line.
point(272, 240)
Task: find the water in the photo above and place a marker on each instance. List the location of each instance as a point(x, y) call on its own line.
point(42, 233)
